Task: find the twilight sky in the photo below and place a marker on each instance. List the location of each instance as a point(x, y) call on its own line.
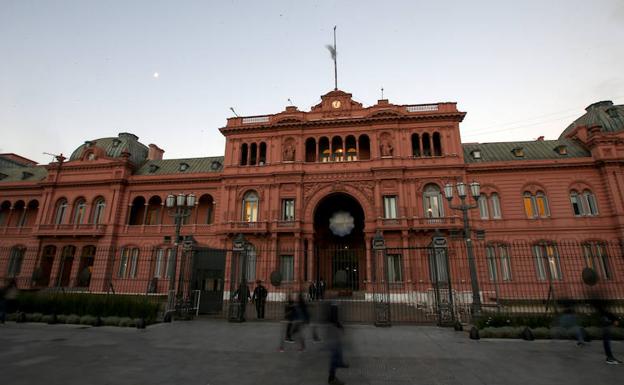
point(72, 71)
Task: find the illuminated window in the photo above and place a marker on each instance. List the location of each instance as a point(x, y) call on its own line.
point(250, 207)
point(547, 262)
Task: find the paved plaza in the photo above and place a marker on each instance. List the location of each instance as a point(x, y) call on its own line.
point(214, 352)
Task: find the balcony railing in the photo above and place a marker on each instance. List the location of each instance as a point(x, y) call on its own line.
point(84, 229)
point(392, 223)
point(15, 230)
point(436, 223)
point(248, 227)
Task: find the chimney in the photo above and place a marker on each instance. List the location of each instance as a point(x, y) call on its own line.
point(540, 139)
point(155, 152)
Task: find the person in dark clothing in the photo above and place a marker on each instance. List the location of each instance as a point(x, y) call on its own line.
point(289, 315)
point(259, 299)
point(312, 291)
point(242, 296)
point(607, 321)
point(334, 334)
point(320, 287)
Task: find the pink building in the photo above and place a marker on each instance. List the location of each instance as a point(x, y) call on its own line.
point(309, 190)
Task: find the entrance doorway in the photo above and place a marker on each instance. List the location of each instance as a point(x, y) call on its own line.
point(208, 274)
point(340, 253)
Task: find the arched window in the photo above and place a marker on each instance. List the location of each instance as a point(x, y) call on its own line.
point(67, 261)
point(98, 210)
point(498, 261)
point(547, 263)
point(15, 261)
point(483, 207)
point(162, 262)
point(262, 157)
point(337, 151)
point(80, 211)
point(415, 145)
point(432, 199)
point(5, 209)
point(437, 144)
point(495, 203)
point(61, 210)
point(324, 151)
point(243, 159)
point(310, 150)
point(577, 205)
point(351, 148)
point(426, 144)
point(250, 207)
point(154, 207)
point(137, 211)
point(85, 268)
point(253, 154)
point(19, 212)
point(205, 209)
point(536, 206)
point(364, 147)
point(41, 275)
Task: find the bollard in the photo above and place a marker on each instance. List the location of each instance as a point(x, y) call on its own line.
point(474, 333)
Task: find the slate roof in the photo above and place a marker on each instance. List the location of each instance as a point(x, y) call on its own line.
point(533, 150)
point(22, 174)
point(212, 164)
point(604, 114)
point(115, 146)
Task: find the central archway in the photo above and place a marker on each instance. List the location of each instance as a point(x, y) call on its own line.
point(340, 253)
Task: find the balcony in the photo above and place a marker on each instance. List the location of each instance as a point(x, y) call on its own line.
point(453, 222)
point(247, 227)
point(71, 230)
point(392, 223)
point(16, 230)
point(285, 226)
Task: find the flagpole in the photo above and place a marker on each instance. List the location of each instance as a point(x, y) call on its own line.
point(335, 63)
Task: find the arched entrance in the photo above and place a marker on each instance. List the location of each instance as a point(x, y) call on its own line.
point(340, 252)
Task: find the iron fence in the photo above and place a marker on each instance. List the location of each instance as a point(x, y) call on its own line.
point(426, 284)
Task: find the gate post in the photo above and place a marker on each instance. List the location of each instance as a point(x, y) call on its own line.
point(238, 295)
point(442, 287)
point(381, 299)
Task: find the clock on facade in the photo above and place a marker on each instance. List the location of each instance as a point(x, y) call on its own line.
point(336, 104)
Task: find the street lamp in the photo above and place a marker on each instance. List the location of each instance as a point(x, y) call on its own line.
point(475, 192)
point(180, 207)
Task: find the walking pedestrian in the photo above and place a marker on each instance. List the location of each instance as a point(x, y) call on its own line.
point(334, 334)
point(259, 299)
point(607, 320)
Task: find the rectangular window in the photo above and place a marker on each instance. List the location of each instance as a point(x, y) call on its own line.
point(158, 265)
point(251, 265)
point(134, 263)
point(288, 209)
point(287, 268)
point(395, 268)
point(250, 211)
point(542, 206)
point(170, 261)
point(483, 207)
point(596, 258)
point(438, 269)
point(123, 263)
point(490, 253)
point(529, 206)
point(547, 262)
point(591, 203)
point(15, 262)
point(496, 210)
point(505, 262)
point(576, 205)
point(390, 207)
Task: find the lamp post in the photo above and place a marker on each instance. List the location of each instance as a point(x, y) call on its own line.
point(180, 207)
point(475, 192)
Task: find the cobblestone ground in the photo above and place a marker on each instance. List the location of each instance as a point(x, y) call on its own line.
point(214, 352)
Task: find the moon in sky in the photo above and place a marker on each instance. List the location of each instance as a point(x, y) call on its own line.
point(156, 75)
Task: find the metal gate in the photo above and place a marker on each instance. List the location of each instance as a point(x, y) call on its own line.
point(208, 278)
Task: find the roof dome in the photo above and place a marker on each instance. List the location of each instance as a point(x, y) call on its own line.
point(603, 114)
point(114, 147)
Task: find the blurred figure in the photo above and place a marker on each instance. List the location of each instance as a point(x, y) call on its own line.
point(569, 320)
point(289, 315)
point(334, 340)
point(607, 321)
point(8, 296)
point(259, 299)
point(313, 291)
point(320, 287)
point(301, 319)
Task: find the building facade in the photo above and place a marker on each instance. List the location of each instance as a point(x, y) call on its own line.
point(309, 190)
